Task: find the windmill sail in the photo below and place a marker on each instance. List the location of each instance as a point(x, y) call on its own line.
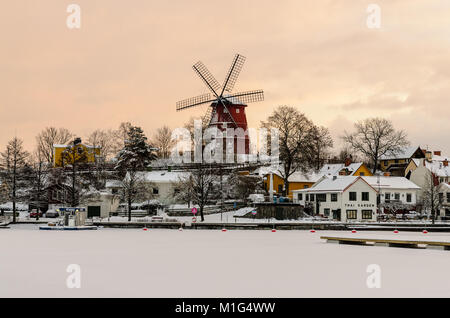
point(233, 73)
point(206, 76)
point(194, 101)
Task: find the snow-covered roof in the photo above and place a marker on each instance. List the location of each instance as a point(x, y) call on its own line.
point(391, 182)
point(113, 184)
point(401, 154)
point(445, 186)
point(438, 168)
point(440, 158)
point(304, 177)
point(335, 168)
point(311, 176)
point(163, 176)
point(335, 184)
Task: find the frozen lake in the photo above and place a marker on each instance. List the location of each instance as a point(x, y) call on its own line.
point(203, 263)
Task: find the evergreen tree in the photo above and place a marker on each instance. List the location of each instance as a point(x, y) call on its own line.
point(134, 157)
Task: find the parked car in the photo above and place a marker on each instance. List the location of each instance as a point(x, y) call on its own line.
point(34, 213)
point(51, 214)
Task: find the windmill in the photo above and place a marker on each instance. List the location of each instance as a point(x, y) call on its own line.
point(227, 109)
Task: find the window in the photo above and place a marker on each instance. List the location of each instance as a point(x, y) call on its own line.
point(305, 186)
point(441, 197)
point(311, 197)
point(155, 191)
point(408, 197)
point(326, 212)
point(367, 214)
point(365, 196)
point(334, 197)
point(397, 196)
point(322, 197)
point(280, 188)
point(307, 197)
point(362, 174)
point(352, 196)
point(351, 214)
point(300, 196)
point(448, 197)
point(387, 196)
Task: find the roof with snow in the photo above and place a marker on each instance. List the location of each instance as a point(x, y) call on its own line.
point(445, 186)
point(438, 168)
point(335, 184)
point(391, 183)
point(163, 176)
point(335, 168)
point(113, 184)
point(405, 153)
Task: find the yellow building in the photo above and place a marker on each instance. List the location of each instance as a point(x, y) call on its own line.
point(76, 151)
point(399, 164)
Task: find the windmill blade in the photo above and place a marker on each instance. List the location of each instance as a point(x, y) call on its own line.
point(247, 97)
point(208, 116)
point(233, 73)
point(194, 101)
point(207, 77)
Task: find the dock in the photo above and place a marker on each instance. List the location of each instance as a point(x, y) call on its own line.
point(388, 242)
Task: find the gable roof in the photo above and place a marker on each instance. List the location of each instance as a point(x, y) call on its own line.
point(335, 168)
point(391, 183)
point(163, 176)
point(438, 168)
point(337, 184)
point(405, 153)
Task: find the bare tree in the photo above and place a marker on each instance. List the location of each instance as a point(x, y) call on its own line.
point(49, 137)
point(14, 160)
point(119, 137)
point(103, 139)
point(322, 142)
point(296, 140)
point(163, 141)
point(375, 137)
point(199, 186)
point(40, 170)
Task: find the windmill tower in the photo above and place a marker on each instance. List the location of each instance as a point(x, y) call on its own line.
point(227, 109)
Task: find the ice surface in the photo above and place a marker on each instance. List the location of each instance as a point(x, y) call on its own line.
point(208, 263)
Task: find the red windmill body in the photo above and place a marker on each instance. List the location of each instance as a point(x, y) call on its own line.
point(226, 110)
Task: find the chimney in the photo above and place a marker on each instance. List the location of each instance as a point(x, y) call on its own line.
point(334, 178)
point(428, 155)
point(348, 161)
point(77, 141)
point(387, 174)
point(437, 153)
point(343, 172)
point(445, 163)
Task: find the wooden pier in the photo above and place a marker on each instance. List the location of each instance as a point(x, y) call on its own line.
point(388, 242)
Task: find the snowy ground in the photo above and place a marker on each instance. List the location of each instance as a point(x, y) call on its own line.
point(203, 263)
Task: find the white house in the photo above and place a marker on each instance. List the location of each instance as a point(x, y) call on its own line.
point(164, 184)
point(444, 200)
point(342, 198)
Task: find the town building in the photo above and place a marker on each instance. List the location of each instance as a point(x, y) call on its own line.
point(444, 201)
point(163, 184)
point(341, 198)
point(396, 163)
point(304, 180)
point(396, 194)
point(78, 151)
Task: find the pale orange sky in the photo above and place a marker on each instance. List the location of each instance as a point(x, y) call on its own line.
point(131, 61)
